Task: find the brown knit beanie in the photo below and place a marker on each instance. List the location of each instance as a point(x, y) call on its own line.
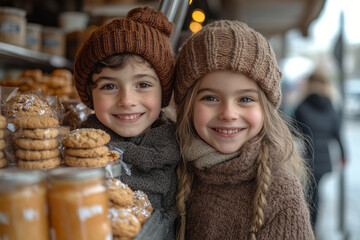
point(144, 32)
point(232, 46)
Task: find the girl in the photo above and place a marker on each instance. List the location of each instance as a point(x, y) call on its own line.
point(241, 177)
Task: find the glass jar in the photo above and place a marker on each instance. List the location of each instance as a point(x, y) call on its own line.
point(23, 209)
point(13, 26)
point(78, 204)
point(53, 41)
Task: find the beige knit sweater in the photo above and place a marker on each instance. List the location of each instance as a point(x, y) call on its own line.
point(221, 202)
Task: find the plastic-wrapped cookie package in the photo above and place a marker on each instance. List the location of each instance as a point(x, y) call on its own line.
point(76, 112)
point(128, 210)
point(34, 123)
point(37, 142)
point(3, 141)
point(3, 136)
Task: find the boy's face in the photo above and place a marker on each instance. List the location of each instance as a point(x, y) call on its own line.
point(127, 100)
point(227, 110)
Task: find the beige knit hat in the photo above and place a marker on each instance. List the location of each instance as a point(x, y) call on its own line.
point(144, 32)
point(228, 45)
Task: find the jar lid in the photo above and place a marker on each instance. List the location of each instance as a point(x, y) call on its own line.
point(75, 173)
point(21, 176)
point(12, 10)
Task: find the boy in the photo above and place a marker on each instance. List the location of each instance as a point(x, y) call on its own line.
point(124, 71)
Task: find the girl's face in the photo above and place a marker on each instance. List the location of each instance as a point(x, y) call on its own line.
point(227, 110)
point(127, 100)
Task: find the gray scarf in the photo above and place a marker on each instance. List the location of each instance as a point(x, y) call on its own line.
point(203, 156)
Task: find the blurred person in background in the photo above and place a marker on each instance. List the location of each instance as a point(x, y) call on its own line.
point(318, 120)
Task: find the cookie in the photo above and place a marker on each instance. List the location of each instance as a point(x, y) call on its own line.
point(114, 205)
point(65, 90)
point(113, 157)
point(37, 155)
point(40, 133)
point(35, 144)
point(35, 74)
point(35, 122)
point(85, 162)
point(3, 122)
point(62, 72)
point(41, 164)
point(85, 138)
point(2, 144)
point(141, 208)
point(57, 82)
point(87, 152)
point(2, 154)
point(119, 193)
point(3, 162)
point(28, 104)
point(123, 223)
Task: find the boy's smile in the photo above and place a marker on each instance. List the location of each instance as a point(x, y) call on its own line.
point(227, 110)
point(127, 100)
point(128, 117)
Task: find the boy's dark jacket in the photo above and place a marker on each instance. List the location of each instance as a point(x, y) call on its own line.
point(152, 158)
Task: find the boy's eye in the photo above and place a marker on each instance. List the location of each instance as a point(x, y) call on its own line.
point(143, 85)
point(210, 98)
point(108, 87)
point(245, 99)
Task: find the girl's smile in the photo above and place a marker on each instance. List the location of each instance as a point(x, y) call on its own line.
point(227, 132)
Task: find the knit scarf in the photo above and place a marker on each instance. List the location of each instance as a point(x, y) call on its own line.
point(203, 156)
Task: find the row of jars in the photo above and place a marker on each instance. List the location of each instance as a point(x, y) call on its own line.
point(61, 204)
point(14, 29)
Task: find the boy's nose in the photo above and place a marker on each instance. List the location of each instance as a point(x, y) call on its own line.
point(228, 113)
point(126, 99)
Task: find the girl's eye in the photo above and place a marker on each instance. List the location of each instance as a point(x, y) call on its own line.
point(108, 87)
point(245, 99)
point(210, 98)
point(143, 85)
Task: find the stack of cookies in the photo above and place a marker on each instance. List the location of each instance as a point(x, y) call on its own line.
point(85, 147)
point(37, 142)
point(128, 210)
point(3, 129)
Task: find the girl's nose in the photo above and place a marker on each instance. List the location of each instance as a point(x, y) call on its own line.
point(126, 99)
point(228, 113)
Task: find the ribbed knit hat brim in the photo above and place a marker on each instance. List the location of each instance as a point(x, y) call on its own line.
point(228, 46)
point(144, 32)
